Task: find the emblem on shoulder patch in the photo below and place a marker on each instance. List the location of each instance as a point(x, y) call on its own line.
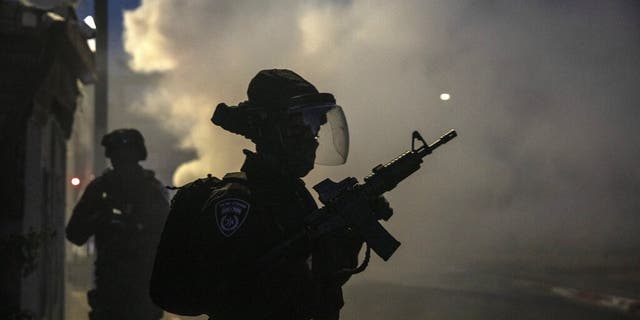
point(230, 214)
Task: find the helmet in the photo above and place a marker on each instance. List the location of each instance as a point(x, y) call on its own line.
point(269, 88)
point(276, 94)
point(131, 139)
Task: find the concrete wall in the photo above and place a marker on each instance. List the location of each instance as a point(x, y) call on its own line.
point(42, 291)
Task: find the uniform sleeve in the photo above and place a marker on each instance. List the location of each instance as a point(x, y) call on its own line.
point(207, 258)
point(86, 216)
point(332, 253)
point(174, 285)
point(196, 254)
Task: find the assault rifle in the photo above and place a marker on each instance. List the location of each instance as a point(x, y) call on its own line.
point(348, 203)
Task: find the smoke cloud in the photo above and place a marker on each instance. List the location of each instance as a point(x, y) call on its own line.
point(543, 94)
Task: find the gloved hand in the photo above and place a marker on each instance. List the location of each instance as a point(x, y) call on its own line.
point(381, 208)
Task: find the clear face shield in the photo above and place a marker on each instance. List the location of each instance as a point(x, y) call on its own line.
point(329, 125)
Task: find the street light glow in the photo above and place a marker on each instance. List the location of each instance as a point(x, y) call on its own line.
point(445, 96)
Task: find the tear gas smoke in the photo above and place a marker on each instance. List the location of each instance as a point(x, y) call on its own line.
point(545, 104)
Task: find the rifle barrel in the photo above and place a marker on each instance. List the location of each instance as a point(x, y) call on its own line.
point(442, 140)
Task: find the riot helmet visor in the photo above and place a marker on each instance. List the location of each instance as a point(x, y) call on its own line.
point(328, 124)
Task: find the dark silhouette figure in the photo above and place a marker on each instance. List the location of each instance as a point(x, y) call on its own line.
point(210, 259)
point(125, 209)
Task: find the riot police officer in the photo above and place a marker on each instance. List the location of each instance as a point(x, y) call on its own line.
point(125, 209)
point(210, 258)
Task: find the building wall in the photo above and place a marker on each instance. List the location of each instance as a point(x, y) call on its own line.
point(42, 291)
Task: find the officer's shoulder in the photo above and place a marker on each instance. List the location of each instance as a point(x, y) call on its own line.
point(107, 173)
point(232, 185)
point(234, 181)
point(150, 176)
point(197, 186)
point(101, 180)
point(209, 188)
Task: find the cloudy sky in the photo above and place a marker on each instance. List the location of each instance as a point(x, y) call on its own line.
point(544, 95)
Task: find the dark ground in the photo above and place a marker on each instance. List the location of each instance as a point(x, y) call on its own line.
point(504, 291)
point(379, 301)
point(525, 288)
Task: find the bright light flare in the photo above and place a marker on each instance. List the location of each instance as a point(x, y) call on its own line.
point(75, 181)
point(89, 21)
point(445, 96)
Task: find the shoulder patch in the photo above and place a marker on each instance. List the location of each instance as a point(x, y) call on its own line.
point(230, 214)
point(195, 192)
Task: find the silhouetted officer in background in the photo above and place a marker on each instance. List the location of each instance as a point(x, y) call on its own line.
point(125, 209)
point(210, 259)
